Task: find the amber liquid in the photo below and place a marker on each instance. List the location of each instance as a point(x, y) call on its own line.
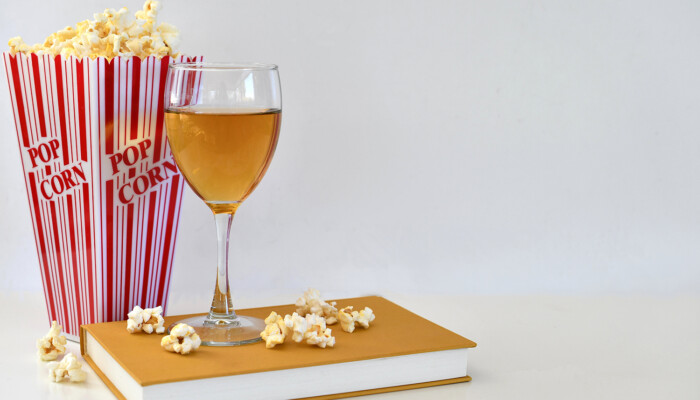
point(223, 155)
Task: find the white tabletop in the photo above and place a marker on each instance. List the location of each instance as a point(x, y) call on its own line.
point(539, 347)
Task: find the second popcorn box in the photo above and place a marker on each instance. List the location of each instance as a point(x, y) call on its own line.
point(104, 192)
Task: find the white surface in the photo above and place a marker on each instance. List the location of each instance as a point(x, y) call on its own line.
point(439, 147)
point(529, 347)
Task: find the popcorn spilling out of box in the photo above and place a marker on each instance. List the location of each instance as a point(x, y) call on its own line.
point(111, 34)
point(88, 108)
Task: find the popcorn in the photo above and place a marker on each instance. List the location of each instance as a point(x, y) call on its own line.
point(148, 320)
point(312, 329)
point(51, 345)
point(348, 318)
point(297, 324)
point(17, 45)
point(111, 34)
point(276, 330)
point(311, 303)
point(182, 339)
point(317, 333)
point(272, 335)
point(170, 34)
point(365, 317)
point(149, 12)
point(272, 318)
point(69, 368)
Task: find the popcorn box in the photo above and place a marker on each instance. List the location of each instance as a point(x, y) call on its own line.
point(104, 192)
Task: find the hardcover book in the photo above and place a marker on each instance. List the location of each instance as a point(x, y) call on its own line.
point(400, 350)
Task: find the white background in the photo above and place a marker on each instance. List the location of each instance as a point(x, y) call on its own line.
point(450, 147)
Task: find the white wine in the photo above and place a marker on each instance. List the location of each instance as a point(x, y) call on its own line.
point(223, 155)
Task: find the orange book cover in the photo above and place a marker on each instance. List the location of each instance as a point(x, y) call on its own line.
point(395, 332)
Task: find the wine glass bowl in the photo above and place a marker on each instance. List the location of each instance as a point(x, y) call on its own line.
point(223, 123)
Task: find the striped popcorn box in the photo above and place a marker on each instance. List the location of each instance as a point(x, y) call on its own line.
point(104, 192)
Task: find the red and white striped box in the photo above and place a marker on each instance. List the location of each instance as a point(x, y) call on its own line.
point(104, 191)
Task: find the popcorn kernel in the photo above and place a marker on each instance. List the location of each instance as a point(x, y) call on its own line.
point(51, 345)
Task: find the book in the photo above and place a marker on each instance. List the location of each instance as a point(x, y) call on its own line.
point(399, 351)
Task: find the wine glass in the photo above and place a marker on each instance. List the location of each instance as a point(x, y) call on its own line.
point(223, 123)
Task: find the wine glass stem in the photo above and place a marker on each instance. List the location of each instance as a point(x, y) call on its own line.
point(221, 305)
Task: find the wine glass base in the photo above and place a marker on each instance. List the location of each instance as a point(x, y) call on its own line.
point(225, 332)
